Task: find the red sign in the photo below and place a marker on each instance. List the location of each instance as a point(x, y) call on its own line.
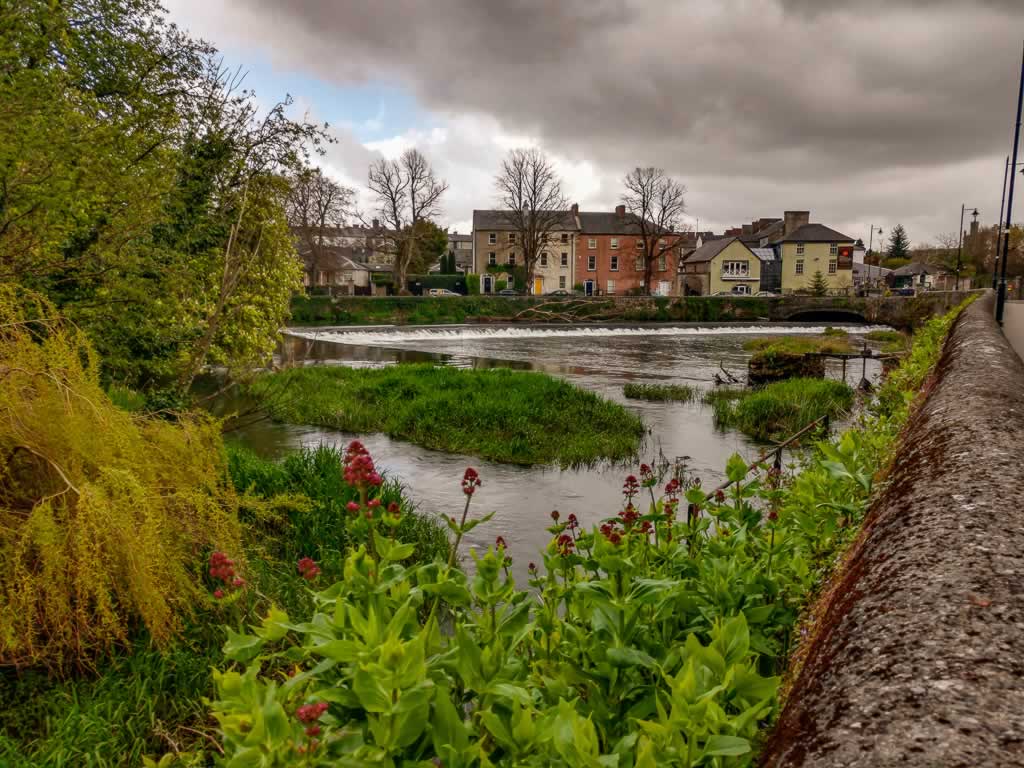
point(845, 258)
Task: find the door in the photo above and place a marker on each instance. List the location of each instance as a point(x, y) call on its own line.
point(487, 284)
point(664, 288)
point(538, 286)
point(588, 288)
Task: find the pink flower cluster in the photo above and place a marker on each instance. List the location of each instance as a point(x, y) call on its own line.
point(470, 481)
point(222, 568)
point(359, 469)
point(308, 568)
point(310, 713)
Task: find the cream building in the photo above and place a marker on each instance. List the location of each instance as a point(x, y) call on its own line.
point(497, 251)
point(722, 266)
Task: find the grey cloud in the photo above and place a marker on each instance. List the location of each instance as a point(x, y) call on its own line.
point(795, 94)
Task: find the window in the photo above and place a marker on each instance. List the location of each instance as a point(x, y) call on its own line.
point(323, 278)
point(492, 238)
point(799, 249)
point(591, 243)
point(511, 237)
point(641, 263)
point(615, 243)
point(543, 258)
point(561, 281)
point(565, 258)
point(832, 264)
point(639, 244)
point(565, 237)
point(611, 287)
point(492, 257)
point(662, 263)
point(615, 263)
point(512, 258)
point(591, 263)
point(742, 288)
point(735, 269)
point(799, 266)
point(833, 250)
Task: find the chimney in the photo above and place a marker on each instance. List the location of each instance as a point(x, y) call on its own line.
point(794, 220)
point(748, 229)
point(575, 209)
point(620, 211)
point(376, 223)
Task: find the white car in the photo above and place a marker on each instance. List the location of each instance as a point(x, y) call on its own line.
point(442, 292)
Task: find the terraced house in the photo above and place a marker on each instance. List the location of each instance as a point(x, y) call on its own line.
point(498, 254)
point(725, 265)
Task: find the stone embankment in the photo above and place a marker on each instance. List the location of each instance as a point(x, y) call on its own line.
point(916, 656)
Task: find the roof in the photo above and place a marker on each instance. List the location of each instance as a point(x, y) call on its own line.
point(764, 254)
point(499, 220)
point(708, 251)
point(610, 223)
point(916, 268)
point(338, 257)
point(455, 237)
point(870, 269)
point(814, 233)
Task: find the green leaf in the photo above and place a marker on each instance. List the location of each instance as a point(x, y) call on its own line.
point(725, 746)
point(239, 647)
point(373, 697)
point(735, 468)
point(630, 657)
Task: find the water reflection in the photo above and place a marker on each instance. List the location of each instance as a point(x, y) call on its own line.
point(525, 496)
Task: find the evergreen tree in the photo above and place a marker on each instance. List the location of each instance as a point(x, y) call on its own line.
point(899, 243)
point(819, 284)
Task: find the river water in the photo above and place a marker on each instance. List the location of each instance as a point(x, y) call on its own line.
point(600, 359)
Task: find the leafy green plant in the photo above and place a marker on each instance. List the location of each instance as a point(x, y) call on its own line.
point(780, 409)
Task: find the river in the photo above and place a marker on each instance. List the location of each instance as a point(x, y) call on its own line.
point(601, 359)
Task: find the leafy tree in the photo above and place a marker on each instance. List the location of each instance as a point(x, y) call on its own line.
point(819, 284)
point(136, 188)
point(899, 243)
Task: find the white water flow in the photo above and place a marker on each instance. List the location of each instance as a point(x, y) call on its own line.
point(393, 336)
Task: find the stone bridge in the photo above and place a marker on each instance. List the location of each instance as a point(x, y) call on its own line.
point(904, 312)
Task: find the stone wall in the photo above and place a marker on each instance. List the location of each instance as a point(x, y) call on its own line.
point(917, 653)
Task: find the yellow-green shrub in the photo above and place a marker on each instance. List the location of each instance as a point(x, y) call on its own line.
point(105, 516)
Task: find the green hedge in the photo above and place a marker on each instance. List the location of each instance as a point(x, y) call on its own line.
point(423, 283)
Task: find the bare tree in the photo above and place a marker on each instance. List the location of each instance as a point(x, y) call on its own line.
point(315, 205)
point(531, 201)
point(407, 193)
point(657, 202)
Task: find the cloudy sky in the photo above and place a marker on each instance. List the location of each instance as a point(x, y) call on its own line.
point(862, 111)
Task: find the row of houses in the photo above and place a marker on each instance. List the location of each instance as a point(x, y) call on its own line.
point(603, 253)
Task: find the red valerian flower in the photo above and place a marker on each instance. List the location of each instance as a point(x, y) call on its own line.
point(308, 568)
point(238, 582)
point(222, 567)
point(572, 522)
point(359, 470)
point(313, 730)
point(373, 503)
point(720, 496)
point(565, 545)
point(555, 515)
point(470, 481)
point(352, 506)
point(647, 476)
point(310, 713)
point(218, 593)
point(673, 487)
point(773, 515)
point(532, 567)
point(631, 487)
point(629, 515)
point(499, 543)
point(394, 509)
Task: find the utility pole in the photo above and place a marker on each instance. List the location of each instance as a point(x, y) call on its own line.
point(1001, 295)
point(999, 224)
point(959, 246)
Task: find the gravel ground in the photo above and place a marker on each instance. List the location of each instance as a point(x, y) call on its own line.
point(918, 656)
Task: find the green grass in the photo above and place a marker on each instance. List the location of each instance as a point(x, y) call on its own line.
point(679, 392)
point(516, 417)
point(781, 409)
point(892, 341)
point(798, 345)
point(838, 333)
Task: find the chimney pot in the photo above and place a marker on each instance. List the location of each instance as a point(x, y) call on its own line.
point(575, 209)
point(620, 211)
point(376, 223)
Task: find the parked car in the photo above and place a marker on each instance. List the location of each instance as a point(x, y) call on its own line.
point(559, 292)
point(442, 292)
point(767, 294)
point(904, 291)
point(508, 292)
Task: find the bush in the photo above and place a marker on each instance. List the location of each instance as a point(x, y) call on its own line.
point(780, 409)
point(424, 283)
point(104, 512)
point(473, 284)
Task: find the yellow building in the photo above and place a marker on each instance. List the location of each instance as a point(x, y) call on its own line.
point(723, 266)
point(812, 248)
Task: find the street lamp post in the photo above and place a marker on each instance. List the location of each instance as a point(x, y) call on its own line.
point(999, 226)
point(1001, 295)
point(871, 242)
point(960, 242)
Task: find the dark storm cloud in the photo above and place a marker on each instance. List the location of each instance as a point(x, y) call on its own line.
point(789, 89)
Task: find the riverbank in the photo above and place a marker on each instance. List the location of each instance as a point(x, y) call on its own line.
point(516, 417)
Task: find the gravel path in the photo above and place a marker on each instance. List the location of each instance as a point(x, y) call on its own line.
point(919, 655)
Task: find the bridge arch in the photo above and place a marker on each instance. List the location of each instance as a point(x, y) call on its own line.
point(826, 315)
